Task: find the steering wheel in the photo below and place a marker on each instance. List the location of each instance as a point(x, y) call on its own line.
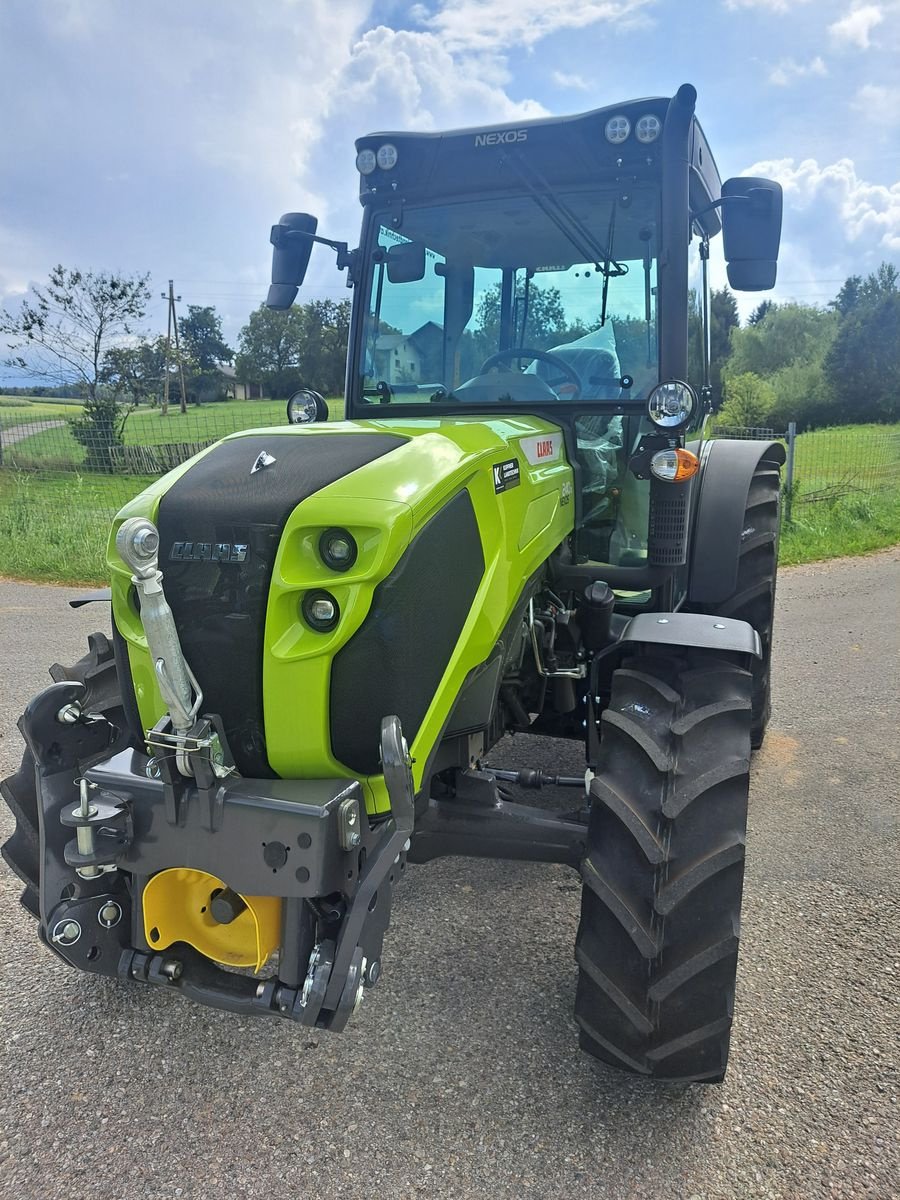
point(569, 375)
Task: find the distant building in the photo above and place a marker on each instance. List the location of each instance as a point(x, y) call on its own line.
point(236, 389)
point(410, 358)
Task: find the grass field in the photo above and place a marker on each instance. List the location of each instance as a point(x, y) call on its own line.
point(17, 410)
point(850, 457)
point(56, 447)
point(53, 525)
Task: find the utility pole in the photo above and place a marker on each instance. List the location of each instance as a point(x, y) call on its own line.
point(173, 325)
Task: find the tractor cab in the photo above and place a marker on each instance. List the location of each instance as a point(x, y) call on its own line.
point(557, 267)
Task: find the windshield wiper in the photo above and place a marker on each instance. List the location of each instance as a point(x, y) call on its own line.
point(560, 214)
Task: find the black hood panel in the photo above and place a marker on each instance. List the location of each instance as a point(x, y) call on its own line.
point(220, 526)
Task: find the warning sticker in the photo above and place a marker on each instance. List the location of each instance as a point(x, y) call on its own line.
point(506, 475)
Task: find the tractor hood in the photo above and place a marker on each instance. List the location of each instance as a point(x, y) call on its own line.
point(447, 518)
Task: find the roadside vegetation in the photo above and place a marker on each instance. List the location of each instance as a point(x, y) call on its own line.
point(833, 370)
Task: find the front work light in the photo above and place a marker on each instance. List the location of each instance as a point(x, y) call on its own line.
point(338, 549)
point(671, 404)
point(617, 129)
point(387, 156)
point(648, 128)
point(366, 162)
point(674, 466)
point(320, 611)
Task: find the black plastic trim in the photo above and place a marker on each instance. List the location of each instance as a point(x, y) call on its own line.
point(726, 471)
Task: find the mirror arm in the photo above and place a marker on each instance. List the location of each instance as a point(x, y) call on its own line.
point(281, 234)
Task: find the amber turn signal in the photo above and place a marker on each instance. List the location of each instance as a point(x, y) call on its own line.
point(674, 466)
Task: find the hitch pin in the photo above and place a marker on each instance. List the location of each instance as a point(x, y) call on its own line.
point(84, 834)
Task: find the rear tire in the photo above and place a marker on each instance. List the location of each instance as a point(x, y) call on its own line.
point(657, 943)
point(97, 671)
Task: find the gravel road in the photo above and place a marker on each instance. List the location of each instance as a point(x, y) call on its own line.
point(461, 1075)
point(18, 433)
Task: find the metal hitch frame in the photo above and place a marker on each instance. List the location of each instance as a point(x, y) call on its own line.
point(134, 816)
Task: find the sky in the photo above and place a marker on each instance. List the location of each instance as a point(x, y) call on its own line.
point(167, 136)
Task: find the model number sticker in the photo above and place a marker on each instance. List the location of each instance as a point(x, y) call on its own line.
point(541, 449)
point(506, 475)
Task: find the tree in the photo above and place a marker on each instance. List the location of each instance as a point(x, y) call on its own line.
point(202, 342)
point(136, 371)
point(723, 319)
point(863, 361)
point(323, 351)
point(748, 401)
point(788, 333)
point(760, 311)
point(545, 323)
point(270, 349)
point(66, 330)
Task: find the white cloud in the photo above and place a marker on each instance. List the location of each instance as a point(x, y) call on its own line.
point(495, 25)
point(880, 104)
point(855, 27)
point(577, 83)
point(778, 6)
point(838, 206)
point(788, 71)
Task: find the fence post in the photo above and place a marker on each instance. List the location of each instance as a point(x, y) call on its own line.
point(789, 482)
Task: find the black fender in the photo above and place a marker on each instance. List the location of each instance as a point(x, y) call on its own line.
point(694, 630)
point(726, 469)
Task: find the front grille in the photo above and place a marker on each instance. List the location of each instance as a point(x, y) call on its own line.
point(668, 527)
point(219, 599)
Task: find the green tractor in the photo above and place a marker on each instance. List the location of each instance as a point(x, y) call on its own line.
point(320, 631)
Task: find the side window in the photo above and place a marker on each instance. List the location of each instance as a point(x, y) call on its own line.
point(695, 316)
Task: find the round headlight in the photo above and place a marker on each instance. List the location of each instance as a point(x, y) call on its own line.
point(338, 549)
point(648, 128)
point(366, 162)
point(617, 129)
point(320, 611)
point(387, 156)
point(306, 406)
point(671, 404)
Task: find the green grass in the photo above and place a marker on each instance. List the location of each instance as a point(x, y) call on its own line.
point(846, 457)
point(54, 527)
point(848, 526)
point(19, 410)
point(147, 427)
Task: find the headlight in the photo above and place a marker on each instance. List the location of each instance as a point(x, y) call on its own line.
point(674, 466)
point(320, 611)
point(671, 404)
point(617, 129)
point(306, 406)
point(648, 128)
point(338, 549)
point(366, 162)
point(387, 156)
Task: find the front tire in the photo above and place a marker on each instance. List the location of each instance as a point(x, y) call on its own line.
point(657, 943)
point(21, 852)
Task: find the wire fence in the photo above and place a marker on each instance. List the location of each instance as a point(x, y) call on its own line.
point(61, 482)
point(830, 464)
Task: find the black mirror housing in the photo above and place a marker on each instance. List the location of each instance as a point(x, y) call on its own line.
point(406, 262)
point(292, 241)
point(751, 232)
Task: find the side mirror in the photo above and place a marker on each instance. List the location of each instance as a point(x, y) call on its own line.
point(305, 407)
point(751, 232)
point(406, 262)
point(292, 239)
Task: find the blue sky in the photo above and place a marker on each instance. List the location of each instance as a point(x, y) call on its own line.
point(167, 136)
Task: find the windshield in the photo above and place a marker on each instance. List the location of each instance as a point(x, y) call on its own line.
point(526, 299)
